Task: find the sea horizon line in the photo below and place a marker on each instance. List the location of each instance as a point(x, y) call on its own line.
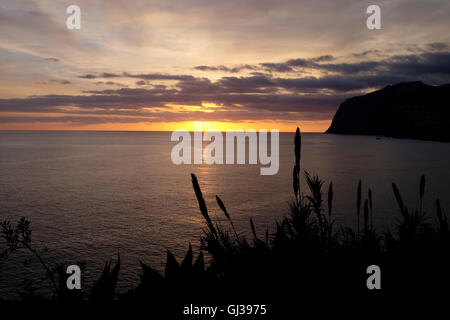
point(50, 130)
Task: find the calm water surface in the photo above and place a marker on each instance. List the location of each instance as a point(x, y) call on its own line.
point(91, 195)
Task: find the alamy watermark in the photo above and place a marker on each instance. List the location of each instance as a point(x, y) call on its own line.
point(373, 22)
point(73, 21)
point(74, 279)
point(213, 153)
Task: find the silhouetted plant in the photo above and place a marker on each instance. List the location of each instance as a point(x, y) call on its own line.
point(104, 288)
point(358, 204)
point(19, 237)
point(180, 281)
point(421, 191)
point(303, 251)
point(307, 230)
point(369, 194)
point(442, 229)
point(296, 171)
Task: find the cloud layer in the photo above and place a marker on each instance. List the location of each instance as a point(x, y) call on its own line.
point(233, 61)
point(273, 91)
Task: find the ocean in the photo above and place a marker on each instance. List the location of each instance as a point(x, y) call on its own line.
point(92, 195)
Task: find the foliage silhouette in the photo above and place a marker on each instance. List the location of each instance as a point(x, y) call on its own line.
point(304, 253)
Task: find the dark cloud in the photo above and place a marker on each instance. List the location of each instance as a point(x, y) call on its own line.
point(75, 119)
point(366, 53)
point(345, 68)
point(327, 57)
point(350, 68)
point(111, 83)
point(158, 76)
point(253, 84)
point(61, 81)
point(88, 76)
point(420, 63)
point(270, 66)
point(226, 69)
point(430, 63)
point(137, 102)
point(100, 76)
point(132, 91)
point(337, 83)
point(52, 59)
point(147, 76)
point(438, 46)
point(262, 95)
point(276, 67)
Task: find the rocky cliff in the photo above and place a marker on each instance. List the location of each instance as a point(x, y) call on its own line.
point(405, 110)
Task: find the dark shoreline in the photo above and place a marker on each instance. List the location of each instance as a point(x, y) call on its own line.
point(413, 110)
point(389, 136)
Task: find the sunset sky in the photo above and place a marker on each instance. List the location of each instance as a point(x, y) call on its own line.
point(160, 65)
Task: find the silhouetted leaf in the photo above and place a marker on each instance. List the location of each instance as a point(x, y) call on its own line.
point(199, 264)
point(330, 198)
point(422, 186)
point(186, 265)
point(150, 275)
point(399, 199)
point(298, 146)
point(171, 266)
point(104, 287)
point(252, 225)
point(358, 199)
point(202, 203)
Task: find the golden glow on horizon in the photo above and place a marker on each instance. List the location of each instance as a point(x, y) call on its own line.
point(283, 126)
point(44, 121)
